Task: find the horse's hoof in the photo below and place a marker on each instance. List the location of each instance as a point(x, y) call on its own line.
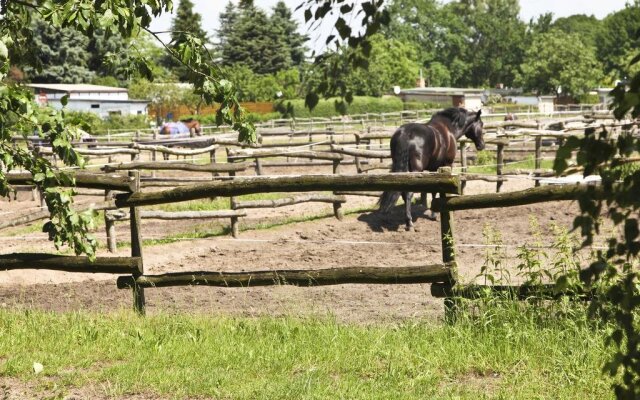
point(409, 228)
point(432, 217)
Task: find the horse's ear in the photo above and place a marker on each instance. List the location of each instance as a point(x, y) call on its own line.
point(478, 114)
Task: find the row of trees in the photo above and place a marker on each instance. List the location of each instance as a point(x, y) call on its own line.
point(465, 43)
point(483, 43)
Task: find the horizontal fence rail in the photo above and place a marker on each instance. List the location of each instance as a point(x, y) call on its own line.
point(519, 198)
point(415, 182)
point(212, 167)
point(108, 265)
point(322, 277)
point(82, 179)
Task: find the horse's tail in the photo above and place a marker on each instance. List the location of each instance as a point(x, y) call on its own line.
point(400, 157)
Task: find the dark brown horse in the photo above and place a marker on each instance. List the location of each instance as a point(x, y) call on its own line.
point(420, 147)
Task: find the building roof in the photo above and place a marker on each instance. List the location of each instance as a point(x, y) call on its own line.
point(446, 91)
point(76, 88)
point(109, 101)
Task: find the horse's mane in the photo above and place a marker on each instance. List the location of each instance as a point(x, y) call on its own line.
point(457, 116)
point(188, 120)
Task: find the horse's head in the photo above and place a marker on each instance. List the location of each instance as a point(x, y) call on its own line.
point(473, 129)
point(197, 128)
point(193, 125)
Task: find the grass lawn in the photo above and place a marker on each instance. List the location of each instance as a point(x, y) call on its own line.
point(511, 352)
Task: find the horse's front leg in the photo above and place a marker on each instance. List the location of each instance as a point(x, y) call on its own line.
point(434, 215)
point(407, 196)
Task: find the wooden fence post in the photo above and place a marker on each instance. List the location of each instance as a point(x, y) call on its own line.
point(337, 206)
point(538, 162)
point(136, 248)
point(463, 161)
point(235, 229)
point(212, 160)
point(259, 170)
point(451, 304)
point(153, 153)
point(499, 166)
point(357, 159)
point(111, 232)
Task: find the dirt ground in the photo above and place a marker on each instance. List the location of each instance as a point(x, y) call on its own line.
point(361, 239)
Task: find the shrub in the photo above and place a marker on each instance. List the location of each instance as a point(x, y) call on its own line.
point(93, 124)
point(361, 105)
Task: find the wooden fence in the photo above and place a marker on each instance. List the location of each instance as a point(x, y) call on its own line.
point(442, 276)
point(134, 267)
point(500, 134)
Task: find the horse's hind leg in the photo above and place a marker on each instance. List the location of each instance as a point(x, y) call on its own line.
point(406, 196)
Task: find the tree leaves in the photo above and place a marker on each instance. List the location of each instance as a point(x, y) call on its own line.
point(330, 67)
point(18, 115)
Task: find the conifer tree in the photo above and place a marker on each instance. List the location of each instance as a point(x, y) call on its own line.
point(60, 53)
point(227, 20)
point(186, 22)
point(255, 42)
point(282, 17)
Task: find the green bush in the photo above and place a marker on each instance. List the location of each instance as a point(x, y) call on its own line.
point(93, 124)
point(361, 105)
point(588, 98)
point(417, 105)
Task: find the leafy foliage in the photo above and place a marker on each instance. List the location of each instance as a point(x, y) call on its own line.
point(601, 153)
point(391, 63)
point(331, 67)
point(466, 43)
point(185, 27)
point(618, 40)
point(559, 60)
point(496, 40)
point(60, 55)
point(17, 115)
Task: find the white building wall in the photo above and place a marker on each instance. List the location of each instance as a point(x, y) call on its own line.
point(103, 109)
point(473, 102)
point(545, 105)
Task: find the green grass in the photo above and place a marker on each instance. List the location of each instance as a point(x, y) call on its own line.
point(510, 354)
point(219, 203)
point(486, 164)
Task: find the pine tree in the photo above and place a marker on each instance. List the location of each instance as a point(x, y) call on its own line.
point(227, 20)
point(61, 53)
point(185, 22)
point(255, 42)
point(282, 17)
point(99, 46)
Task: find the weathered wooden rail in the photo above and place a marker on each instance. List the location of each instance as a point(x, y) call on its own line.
point(319, 277)
point(416, 182)
point(103, 265)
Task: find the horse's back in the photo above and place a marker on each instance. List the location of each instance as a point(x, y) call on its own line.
point(429, 146)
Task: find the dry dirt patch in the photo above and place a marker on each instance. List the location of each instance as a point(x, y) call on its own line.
point(365, 239)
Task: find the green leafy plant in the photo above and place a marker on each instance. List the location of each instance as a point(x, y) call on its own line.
point(494, 270)
point(532, 257)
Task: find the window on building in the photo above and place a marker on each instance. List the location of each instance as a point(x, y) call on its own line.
point(95, 106)
point(115, 112)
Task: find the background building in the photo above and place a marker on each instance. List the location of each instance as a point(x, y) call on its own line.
point(101, 100)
